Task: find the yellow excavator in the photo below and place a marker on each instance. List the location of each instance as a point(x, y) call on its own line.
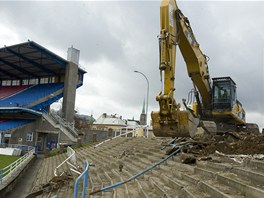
point(216, 108)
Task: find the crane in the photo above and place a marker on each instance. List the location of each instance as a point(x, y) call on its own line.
point(216, 109)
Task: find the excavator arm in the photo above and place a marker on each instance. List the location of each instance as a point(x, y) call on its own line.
point(170, 120)
point(195, 60)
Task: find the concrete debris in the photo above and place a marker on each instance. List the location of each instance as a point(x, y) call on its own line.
point(125, 153)
point(229, 143)
point(241, 158)
point(206, 158)
point(54, 184)
point(120, 167)
point(187, 159)
point(171, 150)
point(238, 144)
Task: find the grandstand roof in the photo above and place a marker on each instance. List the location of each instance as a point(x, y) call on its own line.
point(30, 60)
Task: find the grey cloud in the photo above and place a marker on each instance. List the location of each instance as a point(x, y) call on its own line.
point(124, 35)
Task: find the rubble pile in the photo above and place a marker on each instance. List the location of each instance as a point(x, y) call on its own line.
point(229, 143)
point(125, 153)
point(237, 143)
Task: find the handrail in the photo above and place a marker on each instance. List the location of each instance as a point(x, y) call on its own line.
point(84, 174)
point(70, 153)
point(8, 170)
point(137, 175)
point(121, 134)
point(62, 122)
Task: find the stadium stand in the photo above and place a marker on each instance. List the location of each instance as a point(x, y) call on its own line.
point(10, 124)
point(6, 91)
point(122, 158)
point(31, 79)
point(30, 94)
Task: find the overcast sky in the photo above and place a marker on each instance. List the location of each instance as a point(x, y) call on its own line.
point(117, 37)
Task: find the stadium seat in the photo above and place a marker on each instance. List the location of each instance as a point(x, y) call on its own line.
point(6, 91)
point(10, 124)
point(30, 94)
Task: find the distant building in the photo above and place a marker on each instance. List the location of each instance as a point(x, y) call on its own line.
point(111, 125)
point(132, 123)
point(109, 122)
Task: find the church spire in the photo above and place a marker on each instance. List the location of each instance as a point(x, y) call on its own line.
point(143, 115)
point(143, 109)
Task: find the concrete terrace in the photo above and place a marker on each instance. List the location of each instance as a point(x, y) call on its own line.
point(219, 177)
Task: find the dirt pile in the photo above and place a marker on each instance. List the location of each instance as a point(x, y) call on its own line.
point(238, 143)
point(230, 143)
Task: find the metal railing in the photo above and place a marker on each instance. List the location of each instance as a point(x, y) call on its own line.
point(11, 168)
point(84, 175)
point(62, 122)
point(71, 157)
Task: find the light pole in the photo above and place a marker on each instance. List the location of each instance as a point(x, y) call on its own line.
point(147, 94)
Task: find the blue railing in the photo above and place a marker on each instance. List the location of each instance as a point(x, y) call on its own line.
point(84, 175)
point(170, 144)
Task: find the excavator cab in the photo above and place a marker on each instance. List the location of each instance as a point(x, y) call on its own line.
point(224, 94)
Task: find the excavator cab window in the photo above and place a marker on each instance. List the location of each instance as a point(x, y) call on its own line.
point(224, 93)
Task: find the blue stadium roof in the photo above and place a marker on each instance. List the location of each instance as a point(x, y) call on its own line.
point(30, 60)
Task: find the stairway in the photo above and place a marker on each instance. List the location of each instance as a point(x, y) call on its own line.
point(216, 178)
point(66, 128)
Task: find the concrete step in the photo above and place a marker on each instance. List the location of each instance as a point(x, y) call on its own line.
point(244, 174)
point(244, 189)
point(96, 183)
point(159, 184)
point(255, 165)
point(162, 189)
point(224, 179)
point(202, 179)
point(213, 181)
point(253, 178)
point(120, 191)
point(147, 190)
point(186, 185)
point(141, 192)
point(240, 174)
point(208, 181)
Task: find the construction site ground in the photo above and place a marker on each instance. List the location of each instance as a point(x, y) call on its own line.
point(230, 166)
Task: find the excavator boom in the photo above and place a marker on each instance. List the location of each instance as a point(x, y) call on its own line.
point(170, 121)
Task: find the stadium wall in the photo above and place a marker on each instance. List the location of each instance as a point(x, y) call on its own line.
point(39, 133)
point(44, 135)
